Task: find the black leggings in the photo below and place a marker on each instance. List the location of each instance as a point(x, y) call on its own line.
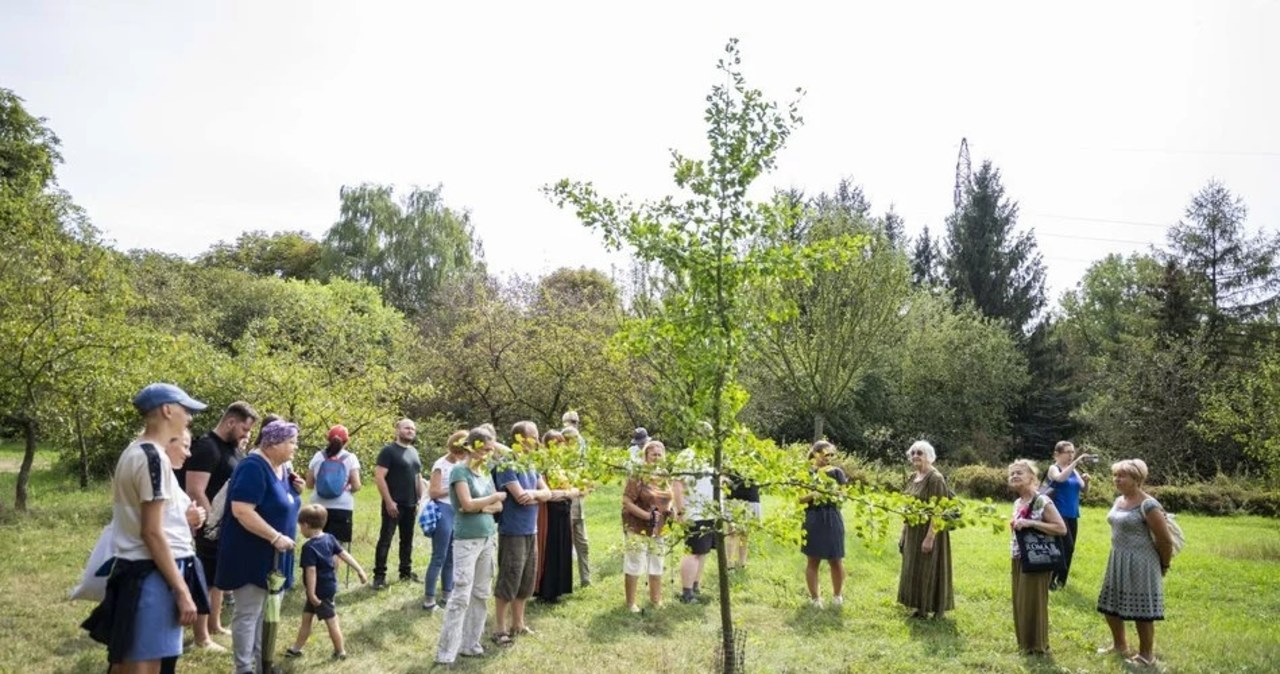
point(1068, 550)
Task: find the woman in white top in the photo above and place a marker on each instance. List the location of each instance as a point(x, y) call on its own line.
point(334, 474)
point(440, 568)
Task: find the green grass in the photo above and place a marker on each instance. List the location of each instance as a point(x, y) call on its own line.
point(1223, 603)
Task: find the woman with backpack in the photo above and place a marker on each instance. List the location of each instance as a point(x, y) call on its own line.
point(334, 474)
point(1142, 546)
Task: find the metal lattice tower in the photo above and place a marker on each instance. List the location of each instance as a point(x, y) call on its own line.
point(964, 173)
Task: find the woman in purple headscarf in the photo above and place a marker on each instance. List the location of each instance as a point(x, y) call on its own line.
point(257, 535)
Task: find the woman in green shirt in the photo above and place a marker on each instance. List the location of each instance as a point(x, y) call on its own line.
point(475, 544)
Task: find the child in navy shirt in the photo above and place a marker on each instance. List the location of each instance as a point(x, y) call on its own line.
point(320, 579)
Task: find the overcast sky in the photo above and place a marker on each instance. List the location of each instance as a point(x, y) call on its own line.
point(186, 123)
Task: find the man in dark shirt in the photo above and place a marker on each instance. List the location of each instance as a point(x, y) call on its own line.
point(213, 458)
point(748, 495)
point(398, 474)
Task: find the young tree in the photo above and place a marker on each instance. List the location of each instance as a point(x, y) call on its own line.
point(708, 245)
point(700, 242)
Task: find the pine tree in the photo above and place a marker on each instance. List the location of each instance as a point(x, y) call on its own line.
point(926, 261)
point(1240, 273)
point(894, 227)
point(987, 261)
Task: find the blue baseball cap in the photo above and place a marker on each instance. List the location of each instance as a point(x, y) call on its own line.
point(155, 395)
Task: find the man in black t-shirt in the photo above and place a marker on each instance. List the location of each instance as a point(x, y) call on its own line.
point(213, 458)
point(398, 474)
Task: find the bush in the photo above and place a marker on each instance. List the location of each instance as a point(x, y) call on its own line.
point(1217, 498)
point(1222, 496)
point(872, 474)
point(1203, 499)
point(980, 482)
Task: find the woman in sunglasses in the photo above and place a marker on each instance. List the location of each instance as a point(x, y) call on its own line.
point(924, 583)
point(824, 525)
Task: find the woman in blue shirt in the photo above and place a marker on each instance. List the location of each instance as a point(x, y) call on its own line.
point(1066, 483)
point(257, 530)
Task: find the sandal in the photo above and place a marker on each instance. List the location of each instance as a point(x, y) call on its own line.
point(501, 639)
point(1140, 661)
point(1112, 650)
point(292, 652)
point(524, 631)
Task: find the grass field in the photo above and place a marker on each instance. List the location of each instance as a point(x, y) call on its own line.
point(1223, 603)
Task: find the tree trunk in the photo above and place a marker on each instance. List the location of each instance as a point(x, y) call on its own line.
point(730, 664)
point(24, 473)
point(84, 452)
point(819, 425)
point(722, 573)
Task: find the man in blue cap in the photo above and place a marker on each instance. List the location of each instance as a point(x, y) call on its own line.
point(156, 586)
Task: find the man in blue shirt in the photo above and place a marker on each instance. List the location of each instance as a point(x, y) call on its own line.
point(517, 531)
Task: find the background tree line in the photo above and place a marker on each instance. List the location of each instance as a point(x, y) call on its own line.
point(1170, 354)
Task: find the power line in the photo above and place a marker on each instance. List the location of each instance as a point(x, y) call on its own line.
point(1072, 259)
point(1092, 238)
point(1241, 153)
point(1139, 223)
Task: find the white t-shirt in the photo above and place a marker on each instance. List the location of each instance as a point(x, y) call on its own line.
point(445, 466)
point(346, 501)
point(144, 474)
point(701, 499)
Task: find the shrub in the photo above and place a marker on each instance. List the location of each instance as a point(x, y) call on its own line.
point(1265, 503)
point(1217, 498)
point(872, 474)
point(1204, 499)
point(980, 482)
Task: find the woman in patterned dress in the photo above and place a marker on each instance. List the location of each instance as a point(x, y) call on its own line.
point(1141, 547)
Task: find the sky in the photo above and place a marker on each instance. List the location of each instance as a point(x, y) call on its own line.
point(184, 124)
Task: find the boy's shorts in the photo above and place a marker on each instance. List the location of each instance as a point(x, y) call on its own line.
point(517, 564)
point(157, 633)
point(326, 610)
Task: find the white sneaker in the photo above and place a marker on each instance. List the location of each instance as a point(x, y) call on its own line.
point(837, 601)
point(815, 602)
point(633, 608)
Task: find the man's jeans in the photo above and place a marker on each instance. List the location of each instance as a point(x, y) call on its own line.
point(405, 523)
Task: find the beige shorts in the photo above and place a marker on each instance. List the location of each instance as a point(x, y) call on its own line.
point(642, 555)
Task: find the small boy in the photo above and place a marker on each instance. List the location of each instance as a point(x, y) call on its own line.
point(320, 579)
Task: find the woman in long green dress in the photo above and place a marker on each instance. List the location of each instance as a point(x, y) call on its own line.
point(925, 581)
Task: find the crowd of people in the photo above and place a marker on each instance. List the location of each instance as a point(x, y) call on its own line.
point(196, 521)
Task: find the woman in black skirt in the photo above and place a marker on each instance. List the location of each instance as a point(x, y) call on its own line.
point(824, 526)
point(555, 538)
